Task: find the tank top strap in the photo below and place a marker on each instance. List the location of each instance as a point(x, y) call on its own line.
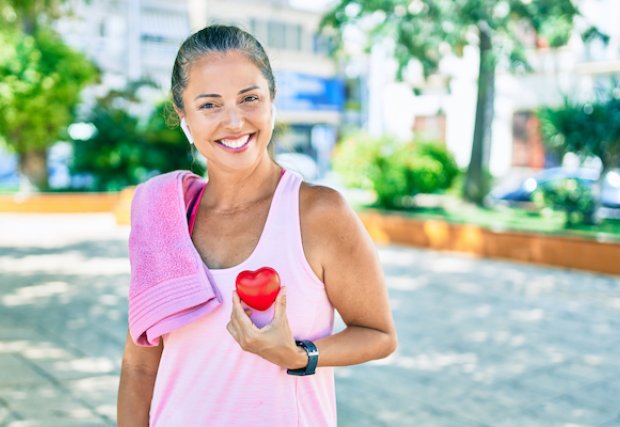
point(283, 220)
point(192, 210)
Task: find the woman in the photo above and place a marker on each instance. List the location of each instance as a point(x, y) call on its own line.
point(231, 364)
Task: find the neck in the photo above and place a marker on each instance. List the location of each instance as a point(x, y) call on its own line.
point(235, 190)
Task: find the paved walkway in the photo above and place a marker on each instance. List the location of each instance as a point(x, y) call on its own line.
point(482, 343)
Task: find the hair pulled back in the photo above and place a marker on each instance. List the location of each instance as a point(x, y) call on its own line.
point(217, 39)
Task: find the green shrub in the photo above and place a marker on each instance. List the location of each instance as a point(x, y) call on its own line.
point(394, 170)
point(570, 196)
point(432, 168)
point(354, 158)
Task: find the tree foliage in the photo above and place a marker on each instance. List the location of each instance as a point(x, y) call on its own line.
point(28, 15)
point(587, 129)
point(429, 30)
point(41, 79)
point(124, 151)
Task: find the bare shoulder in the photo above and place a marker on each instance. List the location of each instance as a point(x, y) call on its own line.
point(324, 207)
point(330, 227)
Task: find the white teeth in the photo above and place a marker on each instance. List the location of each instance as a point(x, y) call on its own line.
point(235, 143)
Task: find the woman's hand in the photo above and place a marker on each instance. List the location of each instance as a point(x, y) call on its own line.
point(274, 342)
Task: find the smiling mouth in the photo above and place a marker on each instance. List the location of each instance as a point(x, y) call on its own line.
point(237, 144)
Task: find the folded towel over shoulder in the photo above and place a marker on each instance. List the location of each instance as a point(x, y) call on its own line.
point(170, 285)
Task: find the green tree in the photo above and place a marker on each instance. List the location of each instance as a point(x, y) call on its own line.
point(124, 151)
point(29, 15)
point(41, 79)
point(427, 30)
point(587, 129)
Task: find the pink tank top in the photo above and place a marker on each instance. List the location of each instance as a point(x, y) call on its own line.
point(206, 379)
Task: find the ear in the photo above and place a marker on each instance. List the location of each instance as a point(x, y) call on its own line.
point(179, 112)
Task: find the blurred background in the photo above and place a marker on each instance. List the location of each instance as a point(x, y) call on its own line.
point(475, 120)
point(495, 103)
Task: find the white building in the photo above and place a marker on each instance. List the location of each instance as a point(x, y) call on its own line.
point(448, 113)
point(128, 39)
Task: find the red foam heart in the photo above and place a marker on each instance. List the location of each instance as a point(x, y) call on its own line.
point(259, 288)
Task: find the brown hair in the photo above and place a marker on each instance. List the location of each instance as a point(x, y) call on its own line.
point(217, 39)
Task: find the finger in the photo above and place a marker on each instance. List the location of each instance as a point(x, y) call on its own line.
point(234, 323)
point(237, 308)
point(236, 301)
point(234, 315)
point(232, 331)
point(240, 315)
point(280, 304)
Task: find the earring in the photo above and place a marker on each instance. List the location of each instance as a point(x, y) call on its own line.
point(273, 117)
point(186, 131)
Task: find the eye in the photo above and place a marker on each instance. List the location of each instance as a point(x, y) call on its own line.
point(207, 106)
point(250, 98)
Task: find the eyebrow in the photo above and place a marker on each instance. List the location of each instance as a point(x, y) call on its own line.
point(215, 95)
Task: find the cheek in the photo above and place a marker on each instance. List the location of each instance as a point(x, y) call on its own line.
point(203, 125)
point(261, 118)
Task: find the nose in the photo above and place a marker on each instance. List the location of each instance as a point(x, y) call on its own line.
point(234, 118)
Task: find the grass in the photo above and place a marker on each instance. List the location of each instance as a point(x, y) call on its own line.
point(9, 188)
point(503, 218)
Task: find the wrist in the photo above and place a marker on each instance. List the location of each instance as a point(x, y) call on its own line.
point(312, 359)
point(298, 359)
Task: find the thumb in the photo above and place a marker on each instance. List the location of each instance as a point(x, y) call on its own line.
point(280, 305)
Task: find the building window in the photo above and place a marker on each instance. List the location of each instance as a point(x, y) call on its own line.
point(321, 45)
point(294, 37)
point(253, 26)
point(432, 127)
point(258, 28)
point(527, 147)
point(276, 34)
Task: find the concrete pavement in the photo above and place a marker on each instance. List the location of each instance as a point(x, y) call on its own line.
point(482, 343)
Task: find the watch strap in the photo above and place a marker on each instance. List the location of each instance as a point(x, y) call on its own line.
point(313, 359)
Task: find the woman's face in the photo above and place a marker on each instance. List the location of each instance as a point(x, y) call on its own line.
point(228, 111)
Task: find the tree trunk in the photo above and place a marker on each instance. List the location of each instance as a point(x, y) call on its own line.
point(29, 18)
point(33, 168)
point(476, 179)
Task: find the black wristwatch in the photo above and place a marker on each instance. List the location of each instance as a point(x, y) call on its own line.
point(313, 359)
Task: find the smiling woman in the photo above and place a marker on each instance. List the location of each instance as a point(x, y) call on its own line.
point(235, 279)
point(227, 109)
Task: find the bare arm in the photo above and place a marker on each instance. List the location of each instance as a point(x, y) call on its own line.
point(335, 237)
point(135, 390)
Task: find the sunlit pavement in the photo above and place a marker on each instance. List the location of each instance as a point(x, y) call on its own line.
point(482, 343)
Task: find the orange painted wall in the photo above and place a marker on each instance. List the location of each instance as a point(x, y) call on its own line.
point(560, 251)
point(59, 203)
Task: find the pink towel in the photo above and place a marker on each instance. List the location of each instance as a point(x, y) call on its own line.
point(170, 285)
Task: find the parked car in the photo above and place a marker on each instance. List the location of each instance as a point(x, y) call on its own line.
point(520, 193)
point(610, 195)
